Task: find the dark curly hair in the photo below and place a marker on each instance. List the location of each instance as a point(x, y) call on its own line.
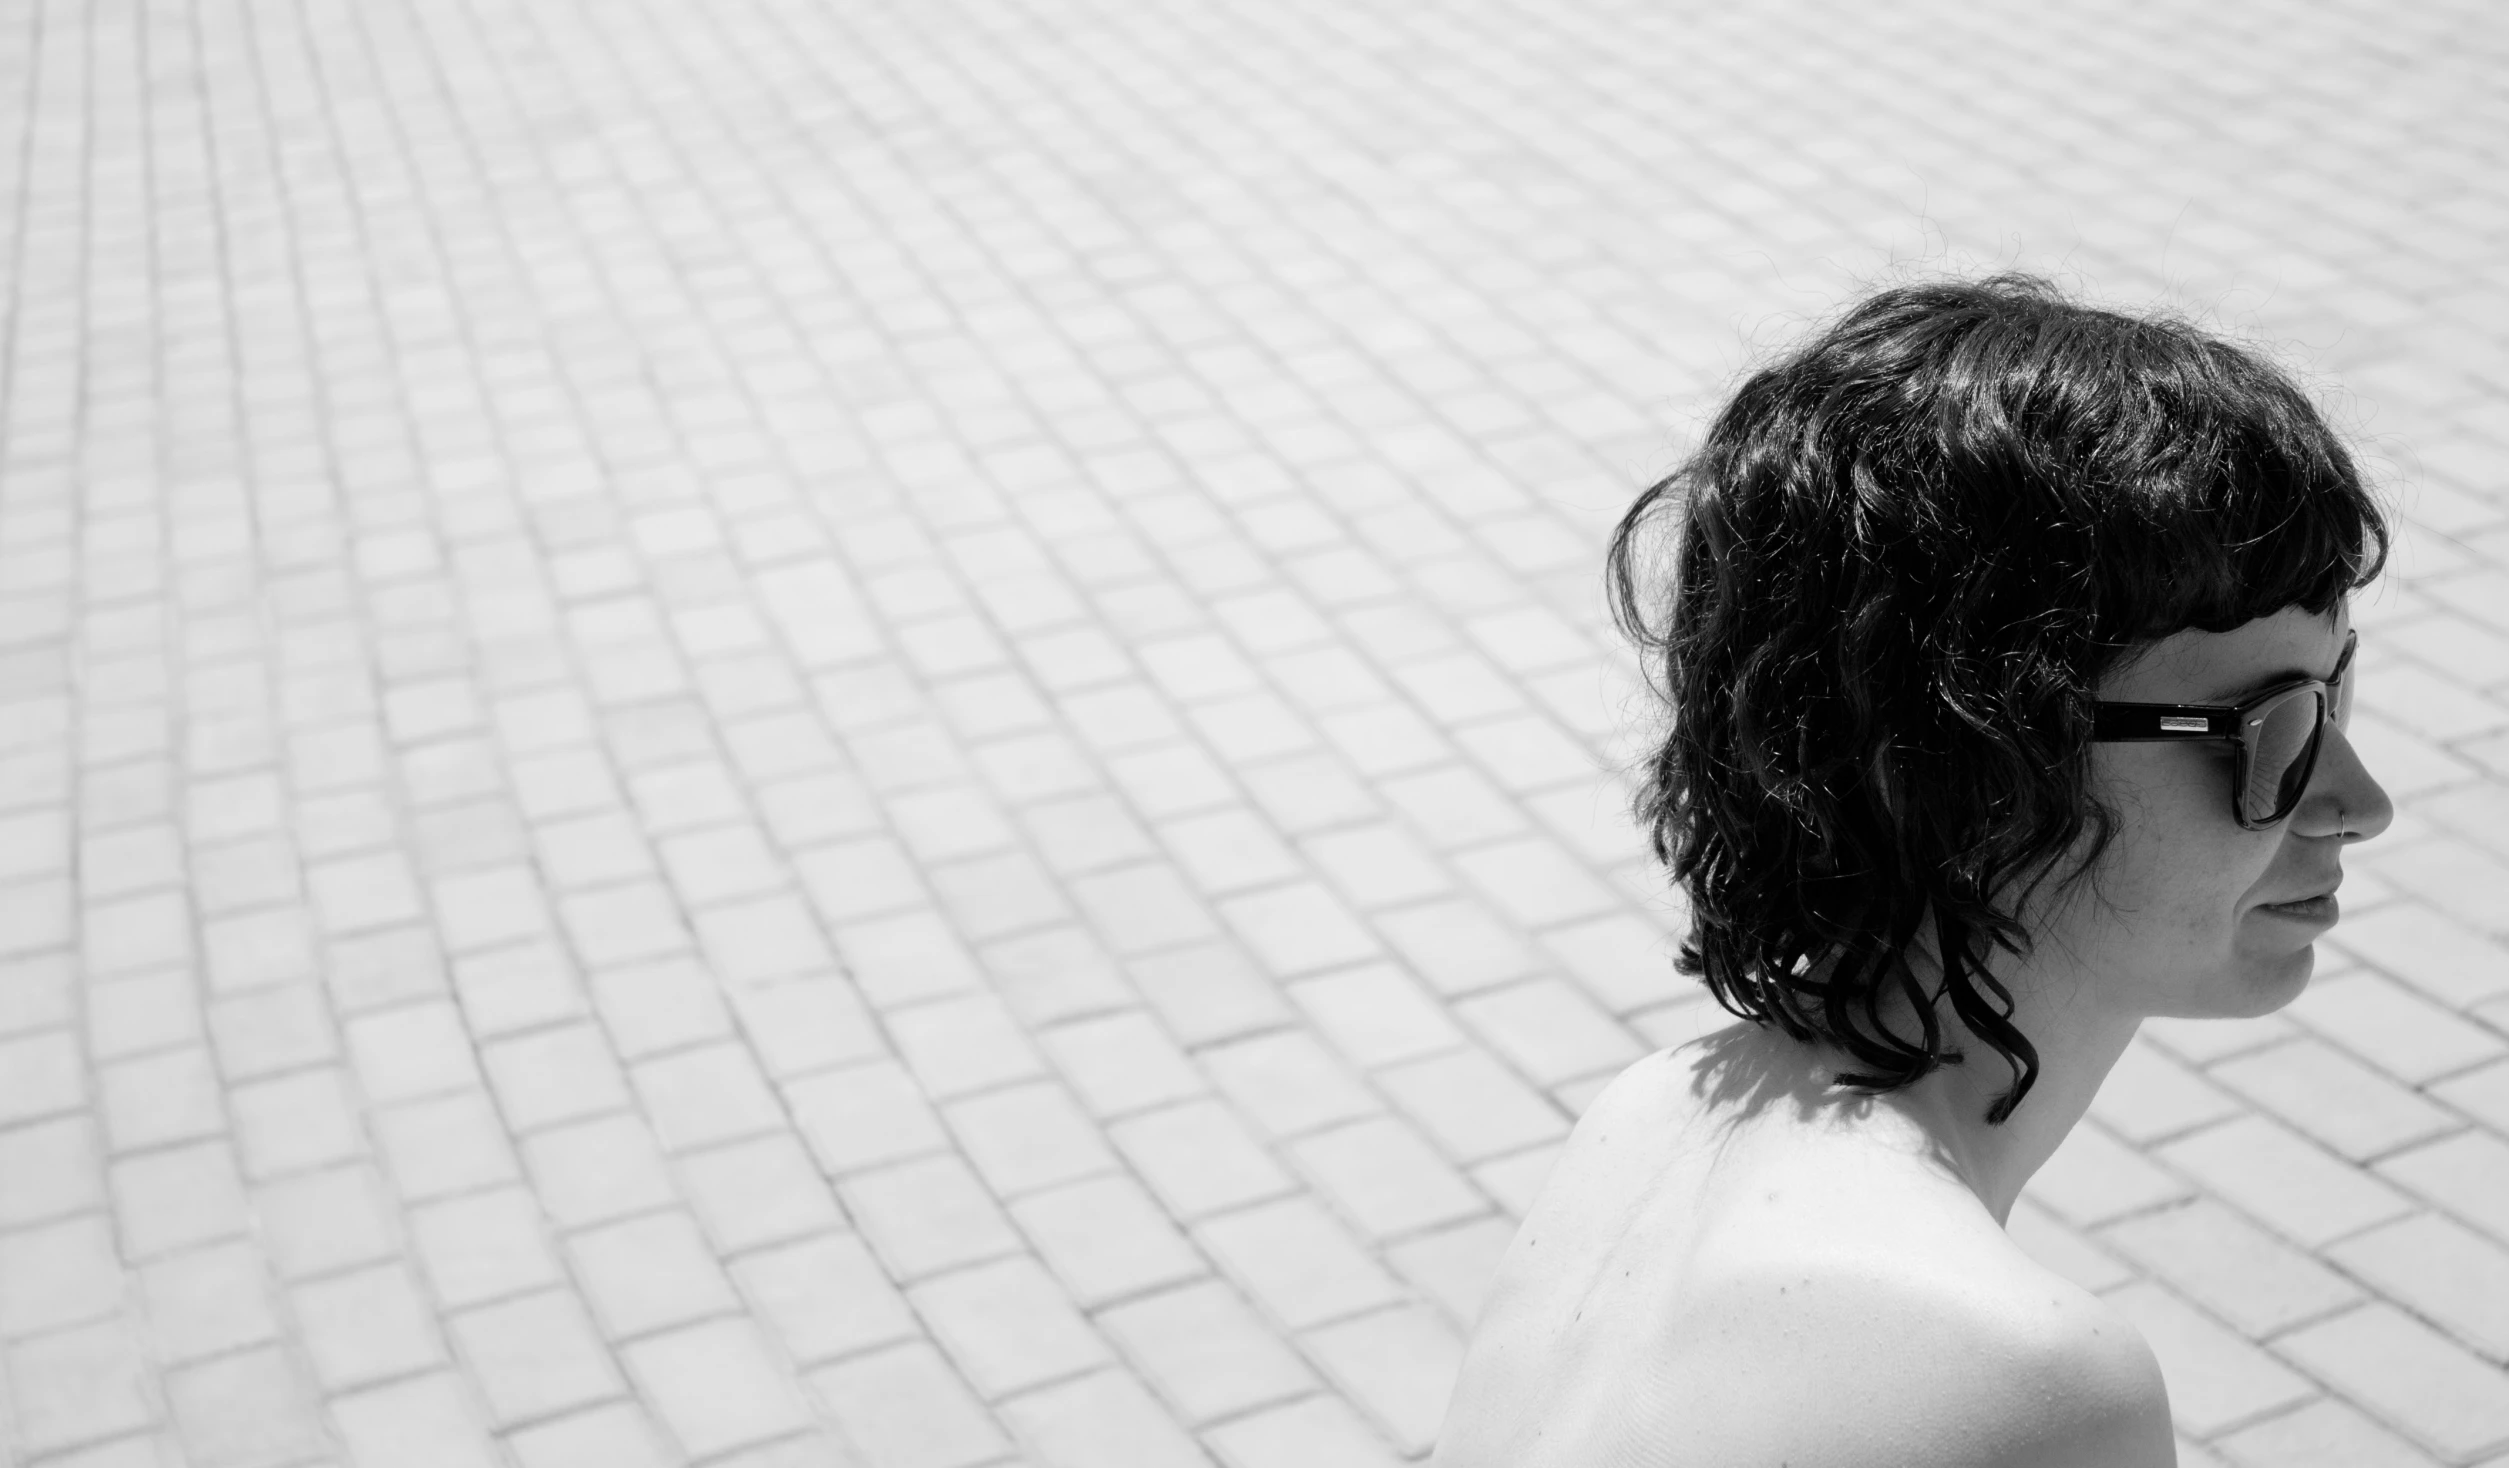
point(1901, 559)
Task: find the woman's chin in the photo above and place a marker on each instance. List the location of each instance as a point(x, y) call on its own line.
point(2270, 981)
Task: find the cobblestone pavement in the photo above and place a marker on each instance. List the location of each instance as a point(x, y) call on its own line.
point(875, 732)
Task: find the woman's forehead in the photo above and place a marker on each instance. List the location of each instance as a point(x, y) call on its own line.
point(2195, 666)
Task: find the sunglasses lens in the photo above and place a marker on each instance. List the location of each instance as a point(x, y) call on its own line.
point(2282, 749)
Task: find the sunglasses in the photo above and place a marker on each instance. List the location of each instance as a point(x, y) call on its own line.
point(2276, 734)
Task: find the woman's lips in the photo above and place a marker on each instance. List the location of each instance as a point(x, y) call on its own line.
point(2319, 909)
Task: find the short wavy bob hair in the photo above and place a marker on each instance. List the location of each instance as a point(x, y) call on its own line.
point(1899, 562)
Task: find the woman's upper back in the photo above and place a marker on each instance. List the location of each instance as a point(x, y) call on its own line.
point(1728, 1267)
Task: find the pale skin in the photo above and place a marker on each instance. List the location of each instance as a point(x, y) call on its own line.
point(1737, 1263)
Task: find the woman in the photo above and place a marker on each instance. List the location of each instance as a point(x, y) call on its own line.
point(2005, 645)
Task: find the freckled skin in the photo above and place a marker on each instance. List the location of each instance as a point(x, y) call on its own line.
point(1736, 1263)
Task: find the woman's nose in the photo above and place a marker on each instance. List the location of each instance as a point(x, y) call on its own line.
point(2344, 798)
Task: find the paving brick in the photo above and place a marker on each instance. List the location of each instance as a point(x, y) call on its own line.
point(1458, 947)
point(172, 1199)
point(906, 1407)
point(2093, 1178)
point(78, 1385)
point(145, 1012)
point(249, 1408)
point(1298, 928)
point(1056, 974)
point(377, 969)
point(41, 995)
point(1233, 849)
point(482, 1246)
point(717, 1386)
point(1385, 738)
point(482, 909)
point(535, 1357)
point(1105, 1239)
point(2393, 1027)
point(806, 1026)
point(649, 1009)
point(2445, 960)
point(1008, 1326)
point(317, 1222)
point(1143, 908)
point(208, 1302)
point(1533, 882)
point(1287, 1082)
point(295, 1123)
point(2283, 1181)
point(762, 1191)
point(1384, 1178)
point(2148, 1096)
point(957, 1046)
point(2414, 1378)
point(593, 1171)
point(1105, 1420)
point(2231, 1267)
point(450, 1144)
point(863, 1116)
point(508, 990)
point(1199, 1158)
point(1121, 1063)
point(1023, 1138)
point(2443, 1271)
point(366, 1326)
point(1085, 833)
point(135, 934)
point(706, 1095)
point(1377, 865)
point(907, 954)
point(1205, 1352)
point(628, 923)
point(2343, 1104)
point(1308, 791)
point(2322, 1434)
point(1624, 962)
point(1549, 1031)
point(168, 1097)
point(619, 1434)
point(1470, 1106)
point(270, 1031)
point(825, 1297)
point(2467, 1174)
point(998, 896)
point(927, 1216)
point(1400, 1364)
point(1319, 1432)
point(411, 1053)
point(1376, 1014)
point(2482, 1093)
point(1301, 1265)
point(58, 1274)
point(421, 1422)
point(649, 1273)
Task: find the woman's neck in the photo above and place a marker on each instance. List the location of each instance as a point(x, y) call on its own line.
point(2077, 1040)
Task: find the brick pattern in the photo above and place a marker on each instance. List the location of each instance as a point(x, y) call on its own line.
point(765, 732)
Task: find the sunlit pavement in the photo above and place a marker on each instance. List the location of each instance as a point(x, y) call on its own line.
point(776, 732)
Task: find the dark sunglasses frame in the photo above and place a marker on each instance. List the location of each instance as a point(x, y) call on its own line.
point(2136, 723)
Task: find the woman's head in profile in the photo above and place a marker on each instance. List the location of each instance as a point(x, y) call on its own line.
point(2003, 641)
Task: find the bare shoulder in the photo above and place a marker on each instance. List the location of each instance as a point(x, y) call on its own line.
point(1997, 1367)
